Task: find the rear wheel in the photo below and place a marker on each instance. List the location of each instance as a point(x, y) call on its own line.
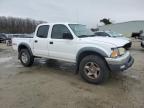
point(93, 69)
point(26, 58)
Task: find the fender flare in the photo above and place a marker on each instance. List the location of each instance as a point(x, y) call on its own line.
point(88, 49)
point(26, 46)
point(91, 49)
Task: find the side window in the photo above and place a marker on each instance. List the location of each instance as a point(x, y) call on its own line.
point(58, 31)
point(42, 31)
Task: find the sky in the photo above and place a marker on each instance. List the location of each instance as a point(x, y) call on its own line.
point(81, 11)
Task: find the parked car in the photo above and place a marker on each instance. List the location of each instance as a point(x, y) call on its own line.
point(2, 37)
point(142, 43)
point(95, 57)
point(142, 36)
point(114, 35)
point(9, 39)
point(138, 35)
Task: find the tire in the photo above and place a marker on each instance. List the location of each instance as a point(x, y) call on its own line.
point(26, 58)
point(93, 69)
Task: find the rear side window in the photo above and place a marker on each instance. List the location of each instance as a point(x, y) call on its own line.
point(58, 30)
point(42, 31)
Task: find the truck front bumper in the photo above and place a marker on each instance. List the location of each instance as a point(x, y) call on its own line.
point(121, 63)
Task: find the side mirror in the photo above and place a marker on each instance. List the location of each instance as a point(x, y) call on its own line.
point(67, 36)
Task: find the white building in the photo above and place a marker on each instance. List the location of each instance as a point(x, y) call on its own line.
point(125, 28)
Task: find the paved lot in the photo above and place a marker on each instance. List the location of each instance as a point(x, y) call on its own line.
point(52, 84)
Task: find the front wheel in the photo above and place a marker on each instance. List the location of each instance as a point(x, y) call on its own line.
point(93, 69)
point(26, 58)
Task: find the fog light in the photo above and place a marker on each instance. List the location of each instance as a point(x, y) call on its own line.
point(122, 67)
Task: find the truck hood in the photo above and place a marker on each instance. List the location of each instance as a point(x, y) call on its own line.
point(124, 38)
point(106, 40)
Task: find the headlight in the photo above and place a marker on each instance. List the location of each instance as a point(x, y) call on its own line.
point(117, 52)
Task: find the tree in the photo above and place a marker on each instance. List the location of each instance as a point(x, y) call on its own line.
point(17, 25)
point(106, 21)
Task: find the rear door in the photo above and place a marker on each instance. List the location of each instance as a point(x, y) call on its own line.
point(41, 41)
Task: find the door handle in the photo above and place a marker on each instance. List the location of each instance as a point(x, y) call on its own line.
point(36, 41)
point(51, 43)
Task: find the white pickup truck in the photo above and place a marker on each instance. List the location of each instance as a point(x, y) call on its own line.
point(95, 57)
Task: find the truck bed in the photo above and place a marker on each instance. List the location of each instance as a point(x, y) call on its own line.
point(18, 40)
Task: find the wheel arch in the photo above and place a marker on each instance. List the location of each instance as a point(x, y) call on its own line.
point(24, 46)
point(89, 51)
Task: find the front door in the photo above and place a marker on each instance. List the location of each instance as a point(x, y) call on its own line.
point(59, 47)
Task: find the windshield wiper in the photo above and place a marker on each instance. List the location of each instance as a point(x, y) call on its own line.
point(82, 36)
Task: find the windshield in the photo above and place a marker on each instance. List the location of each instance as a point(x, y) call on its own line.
point(115, 34)
point(81, 30)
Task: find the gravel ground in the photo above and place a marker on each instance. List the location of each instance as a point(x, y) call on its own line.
point(53, 84)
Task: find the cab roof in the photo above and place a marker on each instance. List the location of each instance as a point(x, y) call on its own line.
point(65, 23)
